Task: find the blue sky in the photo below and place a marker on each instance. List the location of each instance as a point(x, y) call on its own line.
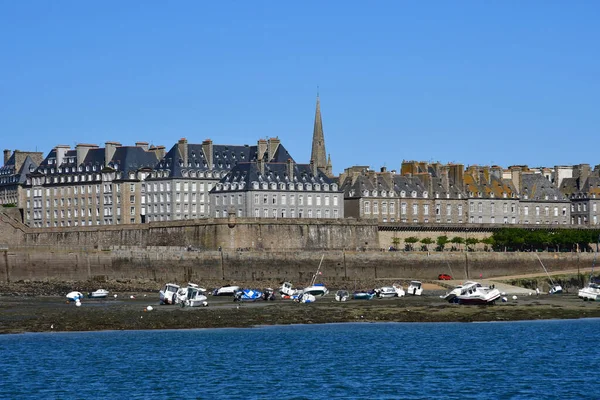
point(472, 82)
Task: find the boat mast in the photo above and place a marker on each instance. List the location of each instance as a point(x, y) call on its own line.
point(314, 278)
point(594, 260)
point(549, 277)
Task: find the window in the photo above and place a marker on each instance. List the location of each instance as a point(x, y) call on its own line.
point(415, 209)
point(403, 208)
point(460, 210)
point(438, 209)
point(471, 207)
point(367, 206)
point(392, 208)
point(480, 207)
point(255, 198)
point(426, 209)
point(526, 210)
point(375, 207)
point(448, 209)
point(537, 210)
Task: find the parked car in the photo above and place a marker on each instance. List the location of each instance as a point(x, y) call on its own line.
point(444, 277)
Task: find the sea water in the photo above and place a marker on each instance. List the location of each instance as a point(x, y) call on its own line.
point(503, 360)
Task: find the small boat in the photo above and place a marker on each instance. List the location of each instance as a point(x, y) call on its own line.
point(451, 295)
point(192, 296)
point(228, 290)
point(74, 296)
point(98, 294)
point(362, 295)
point(316, 289)
point(287, 291)
point(342, 295)
point(306, 298)
point(248, 295)
point(268, 294)
point(555, 288)
point(168, 294)
point(592, 290)
point(475, 293)
point(390, 291)
point(415, 288)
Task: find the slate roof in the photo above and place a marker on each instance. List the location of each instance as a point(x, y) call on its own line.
point(225, 158)
point(244, 173)
point(537, 187)
point(10, 176)
point(376, 185)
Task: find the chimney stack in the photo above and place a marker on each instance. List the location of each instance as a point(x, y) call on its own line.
point(6, 155)
point(143, 145)
point(207, 149)
point(183, 151)
point(61, 151)
point(272, 145)
point(290, 169)
point(109, 151)
point(81, 150)
point(261, 149)
point(159, 151)
point(260, 164)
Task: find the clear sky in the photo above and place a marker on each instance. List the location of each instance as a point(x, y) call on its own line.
point(472, 82)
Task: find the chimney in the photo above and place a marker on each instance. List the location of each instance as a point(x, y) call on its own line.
point(583, 171)
point(444, 178)
point(273, 144)
point(486, 175)
point(183, 151)
point(261, 149)
point(313, 168)
point(207, 149)
point(425, 179)
point(61, 151)
point(383, 169)
point(515, 175)
point(109, 151)
point(408, 167)
point(159, 151)
point(457, 176)
point(260, 164)
point(290, 169)
point(143, 145)
point(81, 150)
point(6, 155)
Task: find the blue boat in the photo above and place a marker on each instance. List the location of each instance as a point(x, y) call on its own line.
point(364, 295)
point(248, 295)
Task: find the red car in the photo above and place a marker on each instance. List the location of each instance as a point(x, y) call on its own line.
point(444, 277)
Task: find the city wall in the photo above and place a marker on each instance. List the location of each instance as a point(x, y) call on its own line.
point(249, 251)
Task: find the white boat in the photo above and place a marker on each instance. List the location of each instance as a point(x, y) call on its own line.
point(415, 288)
point(306, 298)
point(342, 295)
point(168, 295)
point(592, 290)
point(287, 291)
point(316, 289)
point(555, 288)
point(475, 293)
point(98, 294)
point(451, 295)
point(390, 291)
point(192, 296)
point(228, 290)
point(75, 296)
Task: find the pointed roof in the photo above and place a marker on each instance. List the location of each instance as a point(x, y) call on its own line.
point(318, 154)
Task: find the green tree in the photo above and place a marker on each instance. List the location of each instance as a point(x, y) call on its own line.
point(426, 242)
point(410, 241)
point(458, 240)
point(441, 242)
point(470, 243)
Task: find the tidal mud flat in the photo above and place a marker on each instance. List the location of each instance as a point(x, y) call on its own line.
point(35, 310)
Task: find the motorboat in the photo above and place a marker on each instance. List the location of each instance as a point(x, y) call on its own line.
point(248, 295)
point(306, 298)
point(287, 291)
point(415, 288)
point(342, 295)
point(228, 290)
point(168, 294)
point(317, 290)
point(555, 289)
point(98, 294)
point(451, 295)
point(475, 293)
point(390, 291)
point(268, 294)
point(362, 295)
point(192, 296)
point(75, 296)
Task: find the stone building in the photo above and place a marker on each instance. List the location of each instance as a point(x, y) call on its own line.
point(274, 186)
point(583, 190)
point(89, 185)
point(491, 199)
point(13, 175)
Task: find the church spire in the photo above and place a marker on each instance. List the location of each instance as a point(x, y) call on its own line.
point(318, 155)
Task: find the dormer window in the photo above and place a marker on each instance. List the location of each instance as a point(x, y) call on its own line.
point(413, 194)
point(403, 194)
point(425, 194)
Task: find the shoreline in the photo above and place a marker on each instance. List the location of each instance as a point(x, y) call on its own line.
point(23, 314)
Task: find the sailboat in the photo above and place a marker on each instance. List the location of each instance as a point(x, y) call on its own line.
point(315, 289)
point(555, 288)
point(592, 290)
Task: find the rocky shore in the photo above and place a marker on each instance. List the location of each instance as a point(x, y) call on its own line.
point(42, 307)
